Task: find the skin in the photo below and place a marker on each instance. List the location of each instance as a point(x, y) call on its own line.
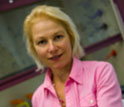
point(53, 47)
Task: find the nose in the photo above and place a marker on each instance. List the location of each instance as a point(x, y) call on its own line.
point(52, 48)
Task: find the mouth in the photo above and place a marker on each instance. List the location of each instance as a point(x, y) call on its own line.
point(56, 57)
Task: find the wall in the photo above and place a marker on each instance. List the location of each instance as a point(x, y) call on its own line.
point(118, 61)
point(20, 90)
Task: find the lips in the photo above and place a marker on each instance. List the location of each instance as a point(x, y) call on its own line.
point(55, 57)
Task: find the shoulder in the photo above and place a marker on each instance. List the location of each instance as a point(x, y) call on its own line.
point(98, 70)
point(38, 90)
point(37, 95)
point(90, 66)
point(102, 72)
point(94, 69)
point(97, 66)
point(96, 63)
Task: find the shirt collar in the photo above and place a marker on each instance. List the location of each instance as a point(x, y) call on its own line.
point(47, 85)
point(75, 74)
point(47, 80)
point(77, 71)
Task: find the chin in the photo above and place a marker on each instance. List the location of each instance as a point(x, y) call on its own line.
point(58, 67)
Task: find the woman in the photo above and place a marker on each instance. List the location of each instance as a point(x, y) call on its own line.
point(53, 42)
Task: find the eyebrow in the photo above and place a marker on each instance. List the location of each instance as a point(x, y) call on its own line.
point(59, 32)
point(56, 33)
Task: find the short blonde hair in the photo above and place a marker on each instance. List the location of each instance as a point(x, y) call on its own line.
point(58, 15)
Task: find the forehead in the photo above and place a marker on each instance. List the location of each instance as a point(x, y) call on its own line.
point(46, 18)
point(37, 18)
point(46, 26)
point(48, 23)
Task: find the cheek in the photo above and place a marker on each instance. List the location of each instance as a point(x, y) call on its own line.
point(40, 52)
point(67, 45)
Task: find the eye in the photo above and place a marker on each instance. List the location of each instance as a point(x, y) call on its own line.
point(42, 42)
point(58, 37)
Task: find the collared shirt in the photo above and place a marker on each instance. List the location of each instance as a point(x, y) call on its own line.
point(90, 84)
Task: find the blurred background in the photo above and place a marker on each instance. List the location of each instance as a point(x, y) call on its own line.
point(101, 27)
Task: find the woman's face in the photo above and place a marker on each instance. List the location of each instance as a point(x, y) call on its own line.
point(52, 44)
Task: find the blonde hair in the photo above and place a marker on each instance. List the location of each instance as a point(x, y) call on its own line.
point(56, 14)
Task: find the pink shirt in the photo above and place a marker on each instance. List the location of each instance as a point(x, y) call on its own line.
point(90, 84)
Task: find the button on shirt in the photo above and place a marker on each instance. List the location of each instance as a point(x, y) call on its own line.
point(90, 84)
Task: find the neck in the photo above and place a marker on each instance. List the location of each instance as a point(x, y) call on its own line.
point(61, 75)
